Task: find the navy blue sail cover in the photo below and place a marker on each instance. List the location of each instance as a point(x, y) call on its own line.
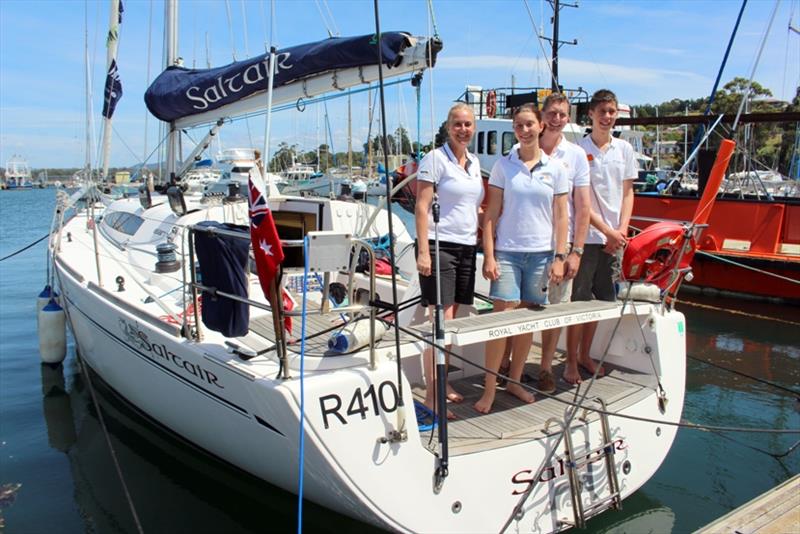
point(179, 92)
point(223, 265)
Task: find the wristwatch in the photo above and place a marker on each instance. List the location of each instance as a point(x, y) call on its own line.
point(577, 250)
point(560, 256)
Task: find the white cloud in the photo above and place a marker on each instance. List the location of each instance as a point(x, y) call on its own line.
point(572, 69)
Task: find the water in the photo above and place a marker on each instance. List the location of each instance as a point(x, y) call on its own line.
point(52, 443)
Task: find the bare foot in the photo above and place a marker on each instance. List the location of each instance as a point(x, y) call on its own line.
point(484, 404)
point(453, 395)
point(571, 376)
point(590, 367)
point(521, 393)
point(429, 405)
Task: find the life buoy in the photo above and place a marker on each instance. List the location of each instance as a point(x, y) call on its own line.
point(653, 254)
point(491, 104)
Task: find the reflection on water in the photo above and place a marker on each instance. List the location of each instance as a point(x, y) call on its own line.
point(174, 487)
point(57, 408)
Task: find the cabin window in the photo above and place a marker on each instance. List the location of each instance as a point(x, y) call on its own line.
point(508, 141)
point(243, 170)
point(492, 142)
point(110, 219)
point(126, 223)
point(480, 143)
point(131, 224)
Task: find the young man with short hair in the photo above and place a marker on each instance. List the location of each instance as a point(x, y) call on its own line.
point(612, 169)
point(572, 157)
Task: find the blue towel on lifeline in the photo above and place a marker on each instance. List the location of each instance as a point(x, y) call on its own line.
point(223, 265)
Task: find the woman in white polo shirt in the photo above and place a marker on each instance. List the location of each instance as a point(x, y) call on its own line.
point(456, 176)
point(525, 217)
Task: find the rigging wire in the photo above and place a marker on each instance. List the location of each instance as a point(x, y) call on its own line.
point(746, 93)
point(149, 50)
point(681, 424)
point(324, 21)
point(330, 16)
point(230, 28)
point(748, 267)
point(401, 422)
point(541, 45)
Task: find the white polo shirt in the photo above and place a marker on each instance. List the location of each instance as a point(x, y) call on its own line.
point(577, 166)
point(607, 171)
point(526, 222)
point(460, 194)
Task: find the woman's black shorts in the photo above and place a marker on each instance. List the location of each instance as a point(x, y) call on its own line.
point(457, 273)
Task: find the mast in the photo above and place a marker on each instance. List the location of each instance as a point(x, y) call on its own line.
point(113, 90)
point(556, 44)
point(88, 87)
point(369, 133)
point(171, 57)
point(349, 138)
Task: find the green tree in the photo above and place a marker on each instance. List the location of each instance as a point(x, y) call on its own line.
point(283, 158)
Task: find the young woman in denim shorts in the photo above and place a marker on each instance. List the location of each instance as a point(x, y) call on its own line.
point(524, 240)
point(459, 187)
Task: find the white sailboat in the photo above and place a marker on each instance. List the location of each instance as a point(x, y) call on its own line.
point(256, 397)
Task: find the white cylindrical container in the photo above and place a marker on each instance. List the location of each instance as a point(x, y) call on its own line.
point(44, 297)
point(52, 333)
point(354, 336)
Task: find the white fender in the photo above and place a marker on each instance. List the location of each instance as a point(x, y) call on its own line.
point(52, 333)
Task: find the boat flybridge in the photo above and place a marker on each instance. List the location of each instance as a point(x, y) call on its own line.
point(494, 130)
point(166, 310)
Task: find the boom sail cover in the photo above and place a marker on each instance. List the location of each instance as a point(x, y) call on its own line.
point(180, 92)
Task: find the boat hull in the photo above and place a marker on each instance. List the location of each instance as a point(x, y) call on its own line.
point(751, 247)
point(252, 422)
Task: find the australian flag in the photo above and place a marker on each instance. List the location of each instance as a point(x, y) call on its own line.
point(266, 244)
point(113, 91)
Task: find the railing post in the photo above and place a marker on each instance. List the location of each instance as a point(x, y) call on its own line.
point(193, 275)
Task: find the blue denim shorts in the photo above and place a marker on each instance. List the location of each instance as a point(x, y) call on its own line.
point(523, 276)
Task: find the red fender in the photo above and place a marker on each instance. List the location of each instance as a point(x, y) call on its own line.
point(652, 255)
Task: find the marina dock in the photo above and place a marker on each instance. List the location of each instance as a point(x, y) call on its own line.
point(775, 512)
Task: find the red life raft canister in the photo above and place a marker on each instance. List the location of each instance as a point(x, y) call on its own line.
point(653, 254)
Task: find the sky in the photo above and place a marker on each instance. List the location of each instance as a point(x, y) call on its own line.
point(645, 51)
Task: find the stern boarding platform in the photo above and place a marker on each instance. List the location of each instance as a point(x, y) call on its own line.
point(627, 380)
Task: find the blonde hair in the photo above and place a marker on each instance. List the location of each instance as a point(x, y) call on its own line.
point(458, 106)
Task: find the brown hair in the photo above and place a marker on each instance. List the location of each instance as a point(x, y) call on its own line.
point(527, 107)
point(553, 99)
point(532, 108)
point(601, 97)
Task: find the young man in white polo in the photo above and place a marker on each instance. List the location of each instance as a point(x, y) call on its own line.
point(612, 170)
point(555, 113)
